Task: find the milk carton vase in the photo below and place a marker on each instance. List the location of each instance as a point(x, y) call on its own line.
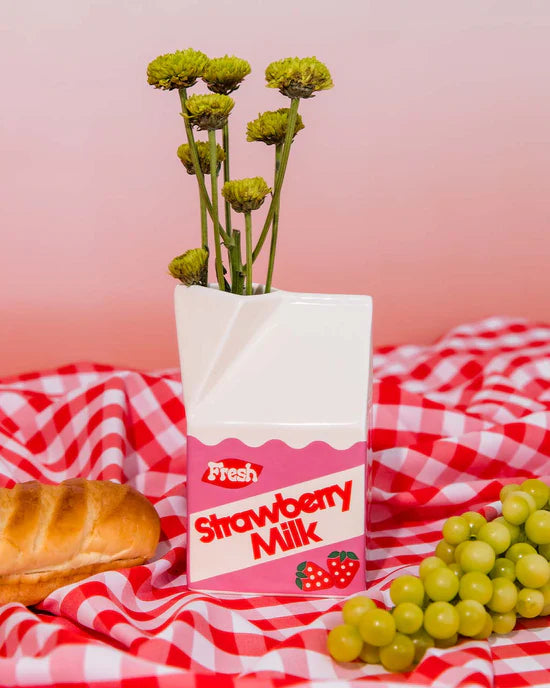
point(277, 394)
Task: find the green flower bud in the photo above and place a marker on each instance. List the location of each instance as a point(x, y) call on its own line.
point(298, 77)
point(208, 111)
point(176, 70)
point(245, 195)
point(271, 126)
point(224, 74)
point(191, 267)
point(203, 150)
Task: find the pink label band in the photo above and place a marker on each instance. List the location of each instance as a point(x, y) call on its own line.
point(275, 519)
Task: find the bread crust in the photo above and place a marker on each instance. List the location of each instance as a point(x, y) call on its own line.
point(52, 535)
point(32, 588)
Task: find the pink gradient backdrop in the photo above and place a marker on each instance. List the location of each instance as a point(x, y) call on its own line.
point(423, 178)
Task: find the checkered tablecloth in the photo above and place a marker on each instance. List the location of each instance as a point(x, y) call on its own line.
point(452, 423)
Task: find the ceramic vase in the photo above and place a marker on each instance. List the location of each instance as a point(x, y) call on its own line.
point(277, 391)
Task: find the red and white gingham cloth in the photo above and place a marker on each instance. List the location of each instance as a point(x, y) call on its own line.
point(452, 422)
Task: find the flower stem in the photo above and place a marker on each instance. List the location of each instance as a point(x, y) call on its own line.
point(230, 249)
point(248, 225)
point(292, 116)
point(204, 229)
point(196, 164)
point(275, 228)
point(225, 132)
point(214, 181)
point(236, 263)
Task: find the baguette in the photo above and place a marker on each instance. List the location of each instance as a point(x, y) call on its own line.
point(53, 535)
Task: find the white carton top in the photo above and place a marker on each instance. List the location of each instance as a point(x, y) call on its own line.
point(288, 366)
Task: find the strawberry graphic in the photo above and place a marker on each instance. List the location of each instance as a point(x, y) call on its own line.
point(311, 577)
point(343, 566)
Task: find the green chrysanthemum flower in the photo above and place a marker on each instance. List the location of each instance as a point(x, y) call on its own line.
point(209, 111)
point(191, 267)
point(203, 150)
point(245, 195)
point(271, 126)
point(176, 70)
point(224, 74)
point(298, 77)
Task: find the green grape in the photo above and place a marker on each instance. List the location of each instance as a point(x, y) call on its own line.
point(445, 552)
point(530, 501)
point(515, 531)
point(528, 498)
point(429, 564)
point(455, 530)
point(472, 616)
point(495, 534)
point(344, 643)
point(544, 550)
point(477, 556)
point(537, 527)
point(538, 490)
point(508, 489)
point(545, 590)
point(475, 586)
point(441, 620)
point(487, 628)
point(377, 627)
point(408, 617)
point(447, 642)
point(504, 597)
point(503, 622)
point(520, 549)
point(515, 509)
point(456, 569)
point(370, 654)
point(530, 603)
point(354, 608)
point(441, 585)
point(533, 571)
point(458, 550)
point(407, 589)
point(474, 521)
point(422, 642)
point(399, 654)
point(504, 568)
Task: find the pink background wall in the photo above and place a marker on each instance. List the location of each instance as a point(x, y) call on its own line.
point(423, 178)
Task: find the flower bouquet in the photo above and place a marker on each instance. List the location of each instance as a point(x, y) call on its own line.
point(276, 387)
point(296, 79)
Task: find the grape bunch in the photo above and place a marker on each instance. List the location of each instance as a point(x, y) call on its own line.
point(482, 576)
